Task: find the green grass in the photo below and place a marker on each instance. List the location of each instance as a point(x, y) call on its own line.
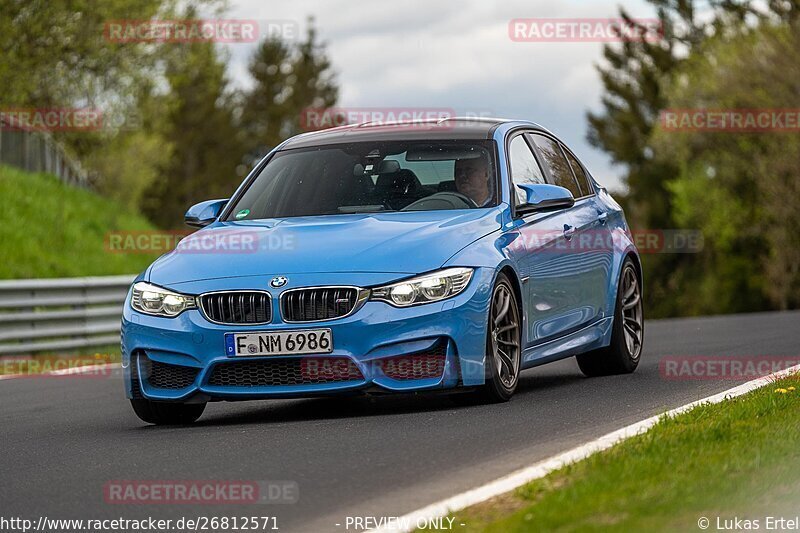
point(736, 458)
point(48, 229)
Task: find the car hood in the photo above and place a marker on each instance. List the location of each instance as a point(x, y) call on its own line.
point(402, 243)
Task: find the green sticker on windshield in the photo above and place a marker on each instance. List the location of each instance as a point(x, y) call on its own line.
point(243, 213)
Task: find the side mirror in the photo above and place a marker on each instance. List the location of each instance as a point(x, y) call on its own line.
point(204, 213)
point(544, 197)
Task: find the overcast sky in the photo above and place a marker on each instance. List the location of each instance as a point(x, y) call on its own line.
point(455, 54)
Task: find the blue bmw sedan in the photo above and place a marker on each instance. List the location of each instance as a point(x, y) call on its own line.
point(376, 258)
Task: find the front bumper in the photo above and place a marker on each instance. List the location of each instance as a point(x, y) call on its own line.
point(383, 348)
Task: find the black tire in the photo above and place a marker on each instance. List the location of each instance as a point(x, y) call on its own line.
point(500, 384)
point(167, 413)
point(621, 356)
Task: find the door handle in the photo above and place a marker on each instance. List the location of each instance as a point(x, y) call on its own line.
point(602, 217)
point(569, 231)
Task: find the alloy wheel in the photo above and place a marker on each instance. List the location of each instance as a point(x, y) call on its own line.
point(632, 316)
point(505, 324)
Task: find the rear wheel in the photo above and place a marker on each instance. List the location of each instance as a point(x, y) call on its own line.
point(622, 355)
point(166, 413)
point(503, 351)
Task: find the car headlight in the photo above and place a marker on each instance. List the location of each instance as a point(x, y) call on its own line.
point(154, 300)
point(425, 289)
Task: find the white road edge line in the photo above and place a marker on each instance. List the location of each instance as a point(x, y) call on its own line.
point(538, 470)
point(65, 371)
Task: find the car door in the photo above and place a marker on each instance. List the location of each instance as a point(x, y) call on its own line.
point(547, 283)
point(591, 249)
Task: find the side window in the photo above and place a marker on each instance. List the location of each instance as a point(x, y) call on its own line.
point(555, 160)
point(524, 168)
point(583, 179)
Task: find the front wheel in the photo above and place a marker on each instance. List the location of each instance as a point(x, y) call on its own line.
point(166, 413)
point(503, 351)
point(622, 355)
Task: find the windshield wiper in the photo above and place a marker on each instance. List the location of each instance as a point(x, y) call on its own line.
point(352, 209)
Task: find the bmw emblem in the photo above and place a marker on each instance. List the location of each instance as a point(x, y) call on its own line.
point(278, 281)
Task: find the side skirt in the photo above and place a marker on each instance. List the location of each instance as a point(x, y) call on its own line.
point(591, 337)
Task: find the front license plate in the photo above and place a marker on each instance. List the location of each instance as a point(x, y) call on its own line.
point(303, 341)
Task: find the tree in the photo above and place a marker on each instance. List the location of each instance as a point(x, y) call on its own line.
point(200, 126)
point(60, 55)
point(207, 138)
point(131, 157)
point(634, 80)
point(636, 77)
point(288, 79)
point(55, 54)
point(742, 190)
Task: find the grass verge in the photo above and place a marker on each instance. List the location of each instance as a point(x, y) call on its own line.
point(738, 458)
point(49, 229)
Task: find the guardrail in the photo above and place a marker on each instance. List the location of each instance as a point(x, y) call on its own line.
point(37, 151)
point(60, 314)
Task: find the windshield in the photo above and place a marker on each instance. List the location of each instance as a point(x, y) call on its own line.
point(369, 177)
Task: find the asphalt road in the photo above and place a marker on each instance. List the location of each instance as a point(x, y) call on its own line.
point(64, 438)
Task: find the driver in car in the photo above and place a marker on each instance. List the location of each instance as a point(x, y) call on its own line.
point(472, 179)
